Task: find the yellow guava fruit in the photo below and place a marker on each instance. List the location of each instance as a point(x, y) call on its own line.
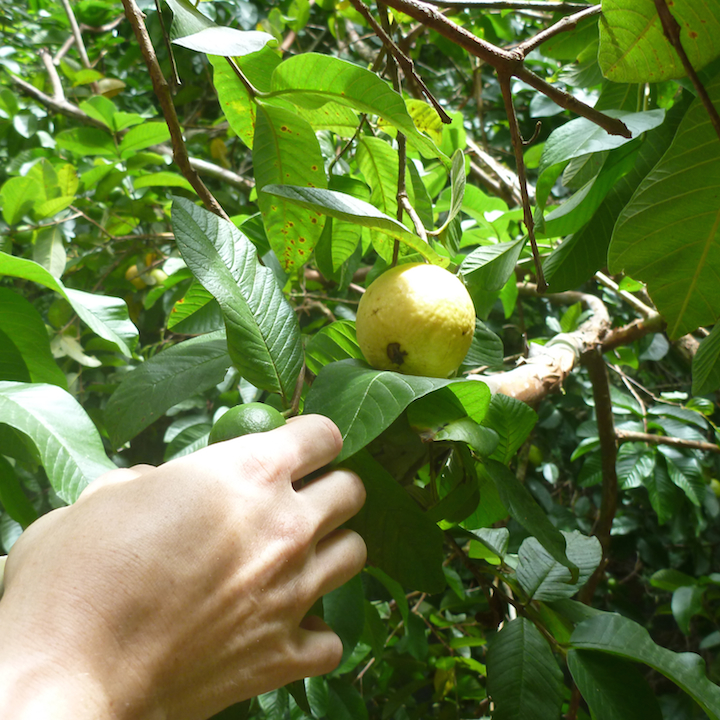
point(416, 319)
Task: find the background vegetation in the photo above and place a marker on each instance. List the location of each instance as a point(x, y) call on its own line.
point(189, 226)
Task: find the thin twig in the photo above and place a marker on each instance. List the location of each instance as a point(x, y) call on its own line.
point(567, 23)
point(55, 82)
point(645, 310)
point(348, 144)
point(671, 28)
point(164, 96)
point(517, 144)
point(76, 33)
point(407, 65)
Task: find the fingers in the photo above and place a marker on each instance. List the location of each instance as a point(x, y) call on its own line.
point(333, 498)
point(318, 649)
point(306, 443)
point(338, 557)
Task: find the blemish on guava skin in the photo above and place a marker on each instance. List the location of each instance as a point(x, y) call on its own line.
point(395, 353)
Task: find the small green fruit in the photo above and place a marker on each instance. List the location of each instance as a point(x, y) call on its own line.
point(245, 419)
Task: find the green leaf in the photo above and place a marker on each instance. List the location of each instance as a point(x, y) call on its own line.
point(12, 365)
point(334, 342)
point(363, 402)
point(237, 105)
point(263, 334)
point(17, 196)
point(13, 499)
point(512, 420)
point(662, 491)
point(687, 602)
point(401, 539)
point(286, 152)
point(581, 137)
point(226, 41)
point(49, 250)
point(486, 348)
point(633, 47)
point(344, 612)
point(489, 266)
point(87, 141)
point(346, 207)
point(345, 702)
point(668, 234)
point(544, 579)
point(196, 313)
point(523, 507)
point(105, 315)
point(706, 364)
point(613, 689)
point(20, 321)
point(621, 637)
point(524, 679)
point(143, 136)
point(310, 80)
point(162, 179)
point(173, 375)
point(69, 444)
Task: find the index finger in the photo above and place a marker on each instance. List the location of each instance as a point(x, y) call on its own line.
point(304, 444)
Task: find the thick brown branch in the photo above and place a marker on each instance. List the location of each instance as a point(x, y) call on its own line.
point(671, 28)
point(627, 436)
point(164, 96)
point(505, 62)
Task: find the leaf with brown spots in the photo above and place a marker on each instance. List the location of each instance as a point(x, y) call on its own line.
point(286, 152)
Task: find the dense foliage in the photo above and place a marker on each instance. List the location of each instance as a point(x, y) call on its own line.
point(544, 528)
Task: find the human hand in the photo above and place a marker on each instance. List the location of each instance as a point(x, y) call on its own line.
point(173, 592)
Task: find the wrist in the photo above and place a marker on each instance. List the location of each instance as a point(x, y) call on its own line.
point(45, 673)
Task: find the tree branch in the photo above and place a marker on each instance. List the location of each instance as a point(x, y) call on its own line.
point(567, 23)
point(671, 28)
point(627, 436)
point(543, 5)
point(164, 96)
point(504, 61)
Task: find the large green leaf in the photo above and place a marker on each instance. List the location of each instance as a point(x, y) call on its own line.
point(286, 152)
point(401, 539)
point(105, 315)
point(523, 507)
point(26, 331)
point(311, 80)
point(524, 679)
point(706, 364)
point(613, 689)
point(163, 381)
point(263, 333)
point(237, 105)
point(633, 47)
point(346, 207)
point(489, 266)
point(668, 235)
point(619, 636)
point(581, 137)
point(68, 442)
point(582, 254)
point(363, 402)
point(542, 578)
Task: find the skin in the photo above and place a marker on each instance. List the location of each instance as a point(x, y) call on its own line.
point(174, 592)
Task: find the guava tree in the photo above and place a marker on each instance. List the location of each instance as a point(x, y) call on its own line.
point(194, 199)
